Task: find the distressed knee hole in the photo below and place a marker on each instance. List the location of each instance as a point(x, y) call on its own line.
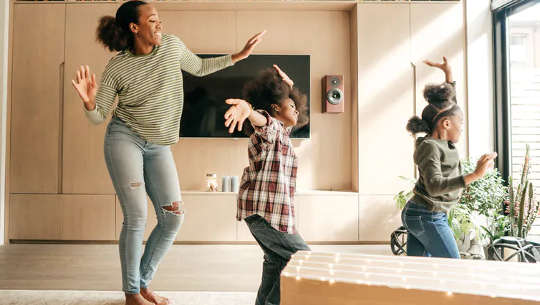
point(135, 185)
point(173, 208)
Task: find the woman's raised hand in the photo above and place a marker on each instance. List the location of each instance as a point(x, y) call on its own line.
point(237, 113)
point(86, 86)
point(248, 48)
point(284, 76)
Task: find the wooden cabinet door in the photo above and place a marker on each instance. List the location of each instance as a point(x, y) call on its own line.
point(327, 217)
point(35, 217)
point(38, 55)
point(84, 169)
point(208, 217)
point(62, 217)
point(385, 98)
point(88, 217)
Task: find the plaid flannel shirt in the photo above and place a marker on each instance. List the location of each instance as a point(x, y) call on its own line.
point(268, 183)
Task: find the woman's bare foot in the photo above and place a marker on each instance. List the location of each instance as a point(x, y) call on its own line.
point(151, 296)
point(136, 299)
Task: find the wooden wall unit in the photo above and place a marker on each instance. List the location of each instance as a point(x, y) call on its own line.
point(37, 97)
point(348, 169)
point(323, 165)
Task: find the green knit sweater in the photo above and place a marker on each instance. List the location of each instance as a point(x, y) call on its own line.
point(440, 181)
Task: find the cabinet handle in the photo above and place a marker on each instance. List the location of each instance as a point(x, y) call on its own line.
point(413, 66)
point(61, 127)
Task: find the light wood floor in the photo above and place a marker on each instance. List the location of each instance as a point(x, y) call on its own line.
point(185, 268)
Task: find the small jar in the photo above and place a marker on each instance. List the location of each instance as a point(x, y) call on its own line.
point(234, 184)
point(211, 182)
point(226, 184)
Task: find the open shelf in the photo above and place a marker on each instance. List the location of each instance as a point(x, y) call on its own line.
point(298, 192)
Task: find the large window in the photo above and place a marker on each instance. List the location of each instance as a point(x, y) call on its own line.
point(517, 65)
point(517, 89)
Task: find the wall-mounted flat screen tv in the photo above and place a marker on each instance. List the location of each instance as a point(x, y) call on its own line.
point(204, 97)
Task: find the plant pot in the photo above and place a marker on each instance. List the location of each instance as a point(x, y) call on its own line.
point(508, 248)
point(398, 241)
point(534, 250)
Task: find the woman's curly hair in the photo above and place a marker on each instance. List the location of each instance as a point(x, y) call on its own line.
point(113, 31)
point(269, 88)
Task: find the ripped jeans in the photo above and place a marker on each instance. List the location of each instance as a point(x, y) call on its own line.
point(138, 168)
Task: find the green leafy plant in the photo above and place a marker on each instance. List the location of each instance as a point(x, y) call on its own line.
point(402, 197)
point(483, 195)
point(497, 227)
point(482, 203)
point(460, 222)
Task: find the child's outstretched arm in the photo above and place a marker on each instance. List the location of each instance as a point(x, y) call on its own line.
point(239, 112)
point(444, 66)
point(284, 76)
point(482, 166)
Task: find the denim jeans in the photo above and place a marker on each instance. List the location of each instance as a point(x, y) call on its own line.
point(138, 168)
point(428, 232)
point(278, 247)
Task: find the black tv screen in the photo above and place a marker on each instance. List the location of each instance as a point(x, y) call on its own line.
point(204, 97)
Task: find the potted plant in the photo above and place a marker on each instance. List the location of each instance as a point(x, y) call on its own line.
point(521, 210)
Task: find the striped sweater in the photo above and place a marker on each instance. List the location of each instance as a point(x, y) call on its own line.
point(149, 88)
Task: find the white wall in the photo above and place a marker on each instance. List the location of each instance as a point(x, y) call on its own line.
point(480, 77)
point(4, 25)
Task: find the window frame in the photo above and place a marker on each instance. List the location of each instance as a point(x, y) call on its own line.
point(501, 10)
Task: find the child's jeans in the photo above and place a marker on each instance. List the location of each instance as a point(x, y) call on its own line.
point(278, 248)
point(428, 232)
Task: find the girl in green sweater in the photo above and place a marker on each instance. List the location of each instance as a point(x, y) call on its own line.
point(441, 181)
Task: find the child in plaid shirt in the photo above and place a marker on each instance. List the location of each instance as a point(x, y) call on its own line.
point(266, 196)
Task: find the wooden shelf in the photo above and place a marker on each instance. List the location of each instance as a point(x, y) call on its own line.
point(299, 192)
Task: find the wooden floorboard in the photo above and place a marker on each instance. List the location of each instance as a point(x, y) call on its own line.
point(97, 267)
